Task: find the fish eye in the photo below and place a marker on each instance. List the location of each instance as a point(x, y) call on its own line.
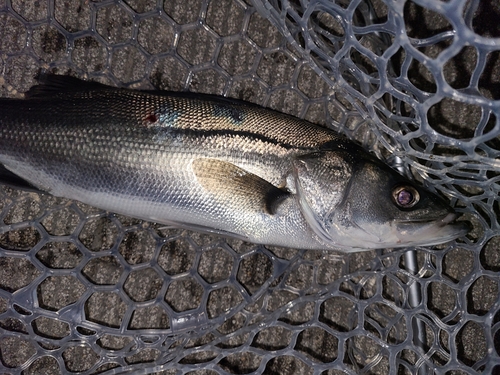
point(405, 196)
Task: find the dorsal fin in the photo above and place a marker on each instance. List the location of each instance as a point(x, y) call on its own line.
point(50, 85)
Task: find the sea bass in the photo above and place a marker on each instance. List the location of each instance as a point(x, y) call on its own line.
point(214, 164)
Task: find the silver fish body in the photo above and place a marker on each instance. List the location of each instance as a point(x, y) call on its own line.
point(216, 165)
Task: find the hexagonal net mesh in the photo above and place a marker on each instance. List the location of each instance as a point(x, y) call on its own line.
point(417, 82)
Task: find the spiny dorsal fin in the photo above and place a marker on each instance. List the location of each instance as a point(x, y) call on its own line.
point(50, 85)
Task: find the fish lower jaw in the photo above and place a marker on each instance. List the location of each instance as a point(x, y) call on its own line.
point(448, 218)
point(433, 233)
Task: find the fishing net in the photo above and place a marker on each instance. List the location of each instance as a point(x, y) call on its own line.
point(417, 82)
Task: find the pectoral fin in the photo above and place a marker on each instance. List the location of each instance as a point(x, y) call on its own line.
point(238, 188)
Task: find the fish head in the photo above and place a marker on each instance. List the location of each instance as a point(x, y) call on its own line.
point(353, 201)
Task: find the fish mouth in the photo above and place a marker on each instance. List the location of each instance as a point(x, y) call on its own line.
point(460, 228)
point(442, 221)
point(433, 232)
point(449, 219)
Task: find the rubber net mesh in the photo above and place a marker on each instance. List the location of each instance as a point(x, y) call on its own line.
point(417, 82)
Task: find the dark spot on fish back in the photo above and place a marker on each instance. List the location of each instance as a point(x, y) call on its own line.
point(152, 118)
point(235, 115)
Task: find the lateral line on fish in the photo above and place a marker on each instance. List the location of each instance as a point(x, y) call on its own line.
point(328, 145)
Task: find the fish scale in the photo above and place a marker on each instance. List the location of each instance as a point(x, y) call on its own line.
point(212, 164)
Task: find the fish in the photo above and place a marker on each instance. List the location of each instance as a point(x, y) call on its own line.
point(215, 165)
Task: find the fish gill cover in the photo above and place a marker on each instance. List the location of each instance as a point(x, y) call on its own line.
point(417, 82)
